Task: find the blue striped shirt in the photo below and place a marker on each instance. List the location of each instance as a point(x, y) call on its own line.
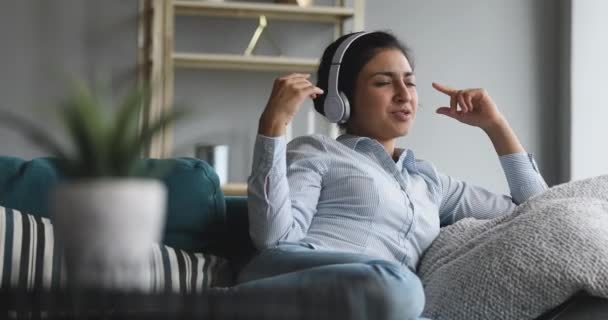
point(349, 195)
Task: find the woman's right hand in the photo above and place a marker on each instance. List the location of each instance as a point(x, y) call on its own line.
point(288, 93)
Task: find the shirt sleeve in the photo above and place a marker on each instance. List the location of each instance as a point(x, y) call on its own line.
point(282, 200)
point(461, 200)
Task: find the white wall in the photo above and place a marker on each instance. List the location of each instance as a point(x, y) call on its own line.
point(508, 47)
point(47, 43)
point(589, 71)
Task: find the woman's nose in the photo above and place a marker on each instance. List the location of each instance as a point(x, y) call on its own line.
point(403, 93)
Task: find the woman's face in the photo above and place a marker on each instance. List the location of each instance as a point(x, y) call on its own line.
point(385, 97)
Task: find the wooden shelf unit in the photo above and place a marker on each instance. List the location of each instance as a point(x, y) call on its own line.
point(271, 11)
point(158, 58)
point(240, 62)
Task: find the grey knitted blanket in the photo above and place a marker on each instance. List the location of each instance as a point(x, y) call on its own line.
point(519, 266)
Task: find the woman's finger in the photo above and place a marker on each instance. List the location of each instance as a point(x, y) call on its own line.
point(454, 103)
point(469, 101)
point(300, 83)
point(312, 91)
point(292, 80)
point(282, 81)
point(444, 89)
point(463, 105)
point(300, 76)
point(447, 111)
point(292, 86)
point(317, 91)
point(290, 77)
point(303, 86)
point(297, 75)
point(458, 115)
point(307, 88)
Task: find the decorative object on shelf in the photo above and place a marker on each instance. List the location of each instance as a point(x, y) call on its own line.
point(109, 211)
point(301, 3)
point(259, 31)
point(256, 35)
point(217, 157)
point(235, 189)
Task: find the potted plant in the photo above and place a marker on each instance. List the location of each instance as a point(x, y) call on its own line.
point(109, 210)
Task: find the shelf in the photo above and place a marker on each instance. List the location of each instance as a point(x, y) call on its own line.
point(270, 10)
point(240, 62)
point(235, 189)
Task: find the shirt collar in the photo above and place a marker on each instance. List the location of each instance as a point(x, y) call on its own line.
point(351, 141)
point(406, 158)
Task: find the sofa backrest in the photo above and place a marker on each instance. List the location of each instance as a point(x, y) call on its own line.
point(196, 209)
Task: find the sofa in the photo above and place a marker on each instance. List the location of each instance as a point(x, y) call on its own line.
point(200, 219)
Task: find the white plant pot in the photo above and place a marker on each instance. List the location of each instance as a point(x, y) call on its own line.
point(107, 228)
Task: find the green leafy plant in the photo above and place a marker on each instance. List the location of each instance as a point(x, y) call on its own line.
point(102, 144)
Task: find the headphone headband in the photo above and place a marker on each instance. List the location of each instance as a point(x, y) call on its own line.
point(339, 54)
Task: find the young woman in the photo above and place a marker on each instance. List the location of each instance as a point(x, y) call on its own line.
point(358, 212)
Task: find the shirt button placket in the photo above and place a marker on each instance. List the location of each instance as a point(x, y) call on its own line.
point(402, 238)
point(403, 233)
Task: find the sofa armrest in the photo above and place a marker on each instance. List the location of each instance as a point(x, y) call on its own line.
point(25, 184)
point(238, 245)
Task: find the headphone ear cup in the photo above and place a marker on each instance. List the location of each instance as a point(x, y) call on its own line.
point(336, 106)
point(346, 107)
point(333, 108)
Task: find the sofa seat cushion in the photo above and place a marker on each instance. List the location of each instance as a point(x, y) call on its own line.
point(31, 260)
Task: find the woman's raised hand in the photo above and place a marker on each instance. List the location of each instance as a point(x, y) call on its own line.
point(476, 107)
point(288, 93)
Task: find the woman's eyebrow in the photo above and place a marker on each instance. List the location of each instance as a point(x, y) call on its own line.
point(391, 73)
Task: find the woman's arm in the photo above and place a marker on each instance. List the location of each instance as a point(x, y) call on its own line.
point(475, 107)
point(281, 200)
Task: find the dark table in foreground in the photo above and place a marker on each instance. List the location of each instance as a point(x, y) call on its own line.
point(213, 304)
point(113, 305)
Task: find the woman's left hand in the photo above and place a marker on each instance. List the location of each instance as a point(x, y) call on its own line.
point(476, 107)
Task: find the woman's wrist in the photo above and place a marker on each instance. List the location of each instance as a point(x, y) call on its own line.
point(497, 127)
point(503, 138)
point(272, 125)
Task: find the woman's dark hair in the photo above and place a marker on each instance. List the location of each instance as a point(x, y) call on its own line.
point(358, 54)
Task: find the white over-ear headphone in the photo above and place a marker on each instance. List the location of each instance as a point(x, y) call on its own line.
point(336, 106)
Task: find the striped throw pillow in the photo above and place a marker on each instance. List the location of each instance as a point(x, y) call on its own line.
point(32, 261)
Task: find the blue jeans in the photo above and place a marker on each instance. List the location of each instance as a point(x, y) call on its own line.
point(356, 286)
